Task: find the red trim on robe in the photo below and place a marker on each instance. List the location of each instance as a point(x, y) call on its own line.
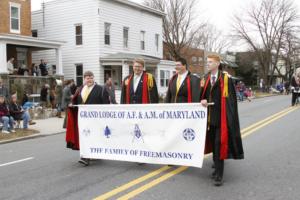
point(128, 90)
point(72, 134)
point(224, 125)
point(188, 81)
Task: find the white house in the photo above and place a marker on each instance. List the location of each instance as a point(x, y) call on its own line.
point(103, 36)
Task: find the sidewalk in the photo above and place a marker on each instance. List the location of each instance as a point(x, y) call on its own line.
point(45, 127)
point(49, 126)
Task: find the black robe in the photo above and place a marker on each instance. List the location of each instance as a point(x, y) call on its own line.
point(97, 96)
point(182, 96)
point(213, 94)
point(136, 97)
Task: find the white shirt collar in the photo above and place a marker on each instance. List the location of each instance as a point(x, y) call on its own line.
point(136, 80)
point(215, 75)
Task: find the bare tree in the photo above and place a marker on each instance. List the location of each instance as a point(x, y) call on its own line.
point(263, 28)
point(211, 39)
point(290, 52)
point(179, 25)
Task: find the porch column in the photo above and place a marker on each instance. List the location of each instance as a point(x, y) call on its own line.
point(59, 65)
point(3, 56)
point(125, 69)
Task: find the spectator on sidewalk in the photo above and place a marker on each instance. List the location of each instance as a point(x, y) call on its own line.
point(109, 87)
point(18, 113)
point(10, 66)
point(58, 97)
point(35, 70)
point(25, 99)
point(43, 68)
point(287, 87)
point(3, 90)
point(5, 118)
point(44, 95)
point(248, 94)
point(262, 85)
point(26, 104)
point(66, 99)
point(52, 98)
point(73, 87)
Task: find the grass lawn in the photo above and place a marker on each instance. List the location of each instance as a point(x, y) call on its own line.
point(19, 133)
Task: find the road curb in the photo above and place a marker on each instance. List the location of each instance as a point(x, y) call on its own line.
point(28, 137)
point(272, 95)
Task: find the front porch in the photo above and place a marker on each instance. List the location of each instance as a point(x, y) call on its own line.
point(119, 65)
point(21, 48)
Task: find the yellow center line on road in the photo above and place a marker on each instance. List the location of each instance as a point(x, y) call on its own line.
point(132, 183)
point(265, 120)
point(271, 120)
point(245, 132)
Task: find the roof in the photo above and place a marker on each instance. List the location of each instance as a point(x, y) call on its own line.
point(140, 6)
point(129, 57)
point(125, 2)
point(30, 41)
point(229, 64)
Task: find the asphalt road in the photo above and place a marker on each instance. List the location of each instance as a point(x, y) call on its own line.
point(43, 168)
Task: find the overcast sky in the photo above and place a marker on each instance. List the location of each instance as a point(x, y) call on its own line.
point(217, 12)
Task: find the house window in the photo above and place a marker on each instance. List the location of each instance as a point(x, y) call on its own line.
point(78, 32)
point(143, 40)
point(34, 33)
point(15, 18)
point(164, 78)
point(79, 74)
point(125, 36)
point(107, 33)
point(157, 42)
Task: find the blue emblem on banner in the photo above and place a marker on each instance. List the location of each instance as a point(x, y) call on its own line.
point(189, 134)
point(107, 132)
point(137, 133)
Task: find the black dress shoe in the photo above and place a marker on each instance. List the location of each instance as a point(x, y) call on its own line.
point(84, 161)
point(140, 164)
point(218, 181)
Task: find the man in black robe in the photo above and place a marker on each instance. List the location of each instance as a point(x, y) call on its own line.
point(183, 86)
point(223, 128)
point(139, 87)
point(89, 93)
point(295, 86)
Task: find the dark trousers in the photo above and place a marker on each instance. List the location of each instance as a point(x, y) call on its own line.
point(215, 138)
point(294, 98)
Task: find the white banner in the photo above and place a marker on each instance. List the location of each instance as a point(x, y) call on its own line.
point(149, 133)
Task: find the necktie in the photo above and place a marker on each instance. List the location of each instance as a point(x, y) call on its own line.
point(213, 80)
point(85, 94)
point(178, 84)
